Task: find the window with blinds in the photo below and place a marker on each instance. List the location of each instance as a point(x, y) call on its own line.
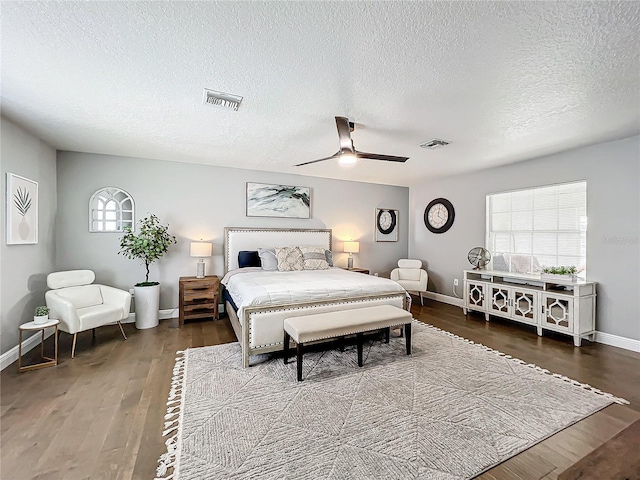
point(536, 227)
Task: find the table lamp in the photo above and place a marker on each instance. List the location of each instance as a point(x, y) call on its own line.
point(200, 249)
point(351, 248)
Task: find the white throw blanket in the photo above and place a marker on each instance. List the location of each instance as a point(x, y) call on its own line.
point(257, 287)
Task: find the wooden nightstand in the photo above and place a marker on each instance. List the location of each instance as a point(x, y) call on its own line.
point(359, 270)
point(198, 297)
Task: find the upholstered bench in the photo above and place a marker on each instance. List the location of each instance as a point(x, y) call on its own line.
point(322, 326)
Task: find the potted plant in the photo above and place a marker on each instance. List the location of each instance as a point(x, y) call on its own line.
point(149, 245)
point(41, 316)
point(560, 273)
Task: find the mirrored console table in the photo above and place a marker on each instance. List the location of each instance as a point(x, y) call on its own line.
point(560, 305)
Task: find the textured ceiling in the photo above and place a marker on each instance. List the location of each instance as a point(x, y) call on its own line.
point(502, 81)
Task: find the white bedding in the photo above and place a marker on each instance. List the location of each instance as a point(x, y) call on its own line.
point(257, 287)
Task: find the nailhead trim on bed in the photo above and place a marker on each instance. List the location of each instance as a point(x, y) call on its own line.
point(308, 307)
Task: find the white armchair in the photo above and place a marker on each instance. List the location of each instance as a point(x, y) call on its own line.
point(411, 276)
point(81, 305)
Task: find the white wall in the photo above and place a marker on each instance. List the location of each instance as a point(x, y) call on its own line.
point(24, 267)
point(612, 172)
point(198, 201)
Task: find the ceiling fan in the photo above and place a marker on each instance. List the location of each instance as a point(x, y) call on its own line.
point(348, 155)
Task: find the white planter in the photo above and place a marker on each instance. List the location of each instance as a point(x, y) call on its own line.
point(40, 319)
point(562, 278)
point(147, 306)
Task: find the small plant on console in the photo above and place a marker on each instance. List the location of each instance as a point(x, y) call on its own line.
point(571, 270)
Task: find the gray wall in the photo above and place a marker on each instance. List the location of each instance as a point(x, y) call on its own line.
point(198, 201)
point(612, 172)
point(24, 267)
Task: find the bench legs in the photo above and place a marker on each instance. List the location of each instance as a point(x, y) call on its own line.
point(299, 352)
point(286, 347)
point(359, 343)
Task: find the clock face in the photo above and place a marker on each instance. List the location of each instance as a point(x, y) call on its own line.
point(386, 221)
point(439, 215)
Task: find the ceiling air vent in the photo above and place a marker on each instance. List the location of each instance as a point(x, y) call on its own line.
point(435, 143)
point(221, 99)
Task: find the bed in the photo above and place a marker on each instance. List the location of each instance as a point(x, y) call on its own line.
point(258, 301)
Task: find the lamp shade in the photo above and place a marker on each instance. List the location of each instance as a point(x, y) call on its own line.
point(200, 249)
point(351, 247)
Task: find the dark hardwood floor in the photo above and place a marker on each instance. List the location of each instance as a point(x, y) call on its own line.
point(100, 415)
point(610, 369)
point(605, 462)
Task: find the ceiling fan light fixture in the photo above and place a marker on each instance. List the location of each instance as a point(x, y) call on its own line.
point(348, 155)
point(347, 159)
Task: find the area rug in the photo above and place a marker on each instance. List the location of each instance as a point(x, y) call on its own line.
point(449, 411)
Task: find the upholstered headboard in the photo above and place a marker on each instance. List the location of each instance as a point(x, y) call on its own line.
point(237, 239)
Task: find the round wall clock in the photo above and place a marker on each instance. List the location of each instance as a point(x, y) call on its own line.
point(439, 215)
point(386, 221)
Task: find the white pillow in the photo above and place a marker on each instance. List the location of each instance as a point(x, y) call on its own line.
point(268, 259)
point(314, 258)
point(289, 259)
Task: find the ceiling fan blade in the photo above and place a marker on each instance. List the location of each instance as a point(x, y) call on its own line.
point(344, 133)
point(376, 156)
point(335, 155)
point(346, 147)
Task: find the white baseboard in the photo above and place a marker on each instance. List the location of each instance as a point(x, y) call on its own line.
point(162, 315)
point(10, 356)
point(617, 341)
point(444, 298)
point(169, 313)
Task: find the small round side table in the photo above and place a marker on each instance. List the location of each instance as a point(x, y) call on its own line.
point(45, 361)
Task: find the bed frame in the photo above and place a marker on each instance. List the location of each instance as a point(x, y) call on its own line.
point(257, 320)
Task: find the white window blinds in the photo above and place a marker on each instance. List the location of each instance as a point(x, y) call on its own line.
point(544, 226)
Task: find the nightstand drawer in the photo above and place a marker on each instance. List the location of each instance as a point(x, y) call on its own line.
point(198, 294)
point(199, 306)
point(197, 287)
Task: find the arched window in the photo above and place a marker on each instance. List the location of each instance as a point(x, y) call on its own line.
point(111, 209)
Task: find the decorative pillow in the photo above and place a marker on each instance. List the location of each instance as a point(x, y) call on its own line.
point(500, 263)
point(248, 259)
point(268, 259)
point(289, 259)
point(328, 255)
point(314, 258)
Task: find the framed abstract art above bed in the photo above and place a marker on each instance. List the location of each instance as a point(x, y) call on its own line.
point(286, 201)
point(258, 299)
